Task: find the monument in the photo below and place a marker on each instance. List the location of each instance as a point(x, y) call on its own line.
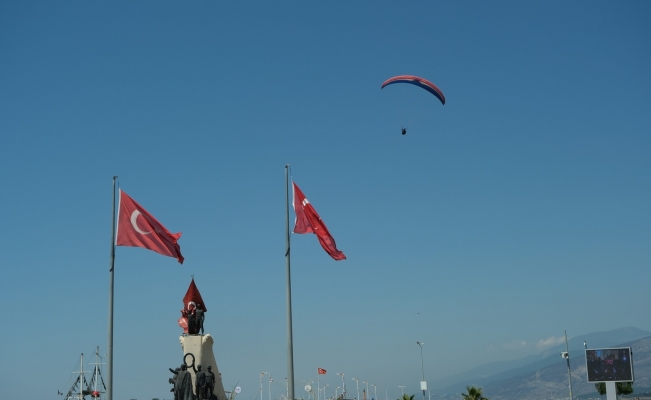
point(197, 348)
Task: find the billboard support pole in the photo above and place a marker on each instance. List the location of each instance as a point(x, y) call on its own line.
point(611, 390)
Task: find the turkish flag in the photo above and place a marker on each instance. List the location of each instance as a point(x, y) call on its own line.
point(308, 221)
point(193, 296)
point(321, 371)
point(138, 228)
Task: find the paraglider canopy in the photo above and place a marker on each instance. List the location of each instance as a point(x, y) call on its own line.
point(415, 80)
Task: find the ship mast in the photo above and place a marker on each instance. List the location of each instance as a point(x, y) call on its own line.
point(96, 368)
point(81, 378)
point(97, 377)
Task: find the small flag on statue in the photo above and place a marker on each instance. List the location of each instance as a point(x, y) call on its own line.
point(193, 296)
point(138, 228)
point(321, 371)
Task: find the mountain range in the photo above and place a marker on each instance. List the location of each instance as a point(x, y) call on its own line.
point(544, 375)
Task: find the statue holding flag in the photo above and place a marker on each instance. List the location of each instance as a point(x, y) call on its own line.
point(192, 314)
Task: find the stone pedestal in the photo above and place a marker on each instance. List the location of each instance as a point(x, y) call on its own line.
point(201, 347)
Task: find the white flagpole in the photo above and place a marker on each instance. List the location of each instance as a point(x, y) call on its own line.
point(290, 344)
point(109, 360)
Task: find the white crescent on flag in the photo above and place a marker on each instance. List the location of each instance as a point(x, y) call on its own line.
point(134, 223)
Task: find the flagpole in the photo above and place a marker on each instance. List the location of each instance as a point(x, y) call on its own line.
point(109, 360)
point(290, 343)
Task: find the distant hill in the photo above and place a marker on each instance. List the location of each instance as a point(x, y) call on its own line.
point(544, 376)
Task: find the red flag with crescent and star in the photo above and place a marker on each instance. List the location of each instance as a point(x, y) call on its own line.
point(308, 221)
point(138, 228)
point(321, 371)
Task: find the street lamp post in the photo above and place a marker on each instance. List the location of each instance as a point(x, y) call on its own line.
point(357, 382)
point(402, 389)
point(423, 383)
point(343, 385)
point(270, 380)
point(337, 392)
point(366, 383)
point(311, 390)
point(566, 354)
point(261, 375)
point(375, 389)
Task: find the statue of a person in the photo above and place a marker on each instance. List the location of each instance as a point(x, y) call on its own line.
point(210, 384)
point(192, 319)
point(183, 386)
point(199, 319)
point(200, 382)
point(172, 380)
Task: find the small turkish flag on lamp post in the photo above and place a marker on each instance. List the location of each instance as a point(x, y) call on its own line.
point(138, 228)
point(321, 371)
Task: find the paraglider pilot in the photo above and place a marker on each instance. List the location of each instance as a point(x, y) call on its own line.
point(404, 131)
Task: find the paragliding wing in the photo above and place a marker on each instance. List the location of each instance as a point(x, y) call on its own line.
point(415, 80)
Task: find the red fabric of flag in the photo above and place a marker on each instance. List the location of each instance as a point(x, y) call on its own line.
point(138, 228)
point(193, 295)
point(308, 221)
point(321, 371)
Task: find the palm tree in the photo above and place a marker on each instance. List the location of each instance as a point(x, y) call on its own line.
point(474, 393)
point(407, 397)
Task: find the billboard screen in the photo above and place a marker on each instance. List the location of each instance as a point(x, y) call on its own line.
point(609, 365)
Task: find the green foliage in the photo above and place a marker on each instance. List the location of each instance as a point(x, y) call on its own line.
point(407, 397)
point(601, 388)
point(474, 393)
point(622, 387)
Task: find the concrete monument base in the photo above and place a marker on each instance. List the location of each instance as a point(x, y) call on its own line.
point(201, 347)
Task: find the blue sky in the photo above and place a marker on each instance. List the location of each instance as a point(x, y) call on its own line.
point(518, 210)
